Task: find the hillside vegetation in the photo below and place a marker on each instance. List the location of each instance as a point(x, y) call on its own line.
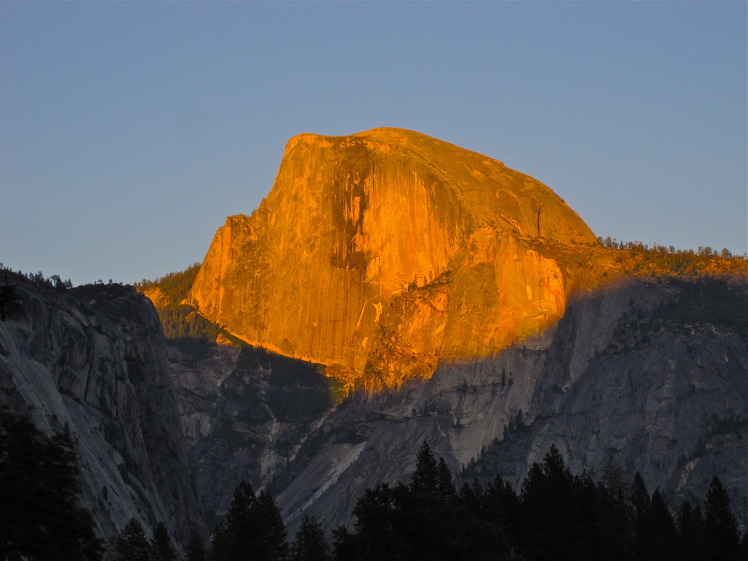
point(183, 325)
point(658, 260)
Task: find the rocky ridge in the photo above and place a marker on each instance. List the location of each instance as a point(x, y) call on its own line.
point(354, 224)
point(645, 374)
point(93, 359)
point(507, 335)
point(476, 311)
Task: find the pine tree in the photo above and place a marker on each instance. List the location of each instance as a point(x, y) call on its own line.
point(591, 530)
point(310, 543)
point(550, 521)
point(195, 548)
point(8, 297)
point(690, 546)
point(377, 532)
point(426, 477)
point(161, 546)
point(253, 528)
point(445, 484)
point(640, 503)
point(612, 479)
point(612, 515)
point(472, 496)
point(720, 527)
point(273, 531)
point(427, 517)
point(39, 489)
point(498, 508)
point(639, 496)
point(233, 536)
point(132, 543)
point(661, 529)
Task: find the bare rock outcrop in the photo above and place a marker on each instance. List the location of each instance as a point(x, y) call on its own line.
point(354, 223)
point(646, 375)
point(94, 359)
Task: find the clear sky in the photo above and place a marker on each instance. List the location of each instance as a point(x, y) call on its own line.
point(129, 131)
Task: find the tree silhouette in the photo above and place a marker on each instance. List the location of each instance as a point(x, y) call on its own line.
point(426, 478)
point(132, 543)
point(550, 522)
point(310, 543)
point(195, 548)
point(557, 517)
point(425, 519)
point(161, 545)
point(720, 527)
point(273, 545)
point(253, 528)
point(39, 488)
point(661, 530)
point(8, 296)
point(690, 527)
point(641, 503)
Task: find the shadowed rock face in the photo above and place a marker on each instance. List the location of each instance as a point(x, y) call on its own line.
point(479, 313)
point(467, 294)
point(93, 359)
point(626, 375)
point(390, 227)
point(648, 373)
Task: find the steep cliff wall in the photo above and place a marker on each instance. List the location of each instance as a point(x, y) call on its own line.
point(245, 413)
point(94, 358)
point(648, 374)
point(353, 223)
point(478, 313)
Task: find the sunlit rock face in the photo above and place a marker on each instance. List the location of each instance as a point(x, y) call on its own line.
point(381, 253)
point(649, 374)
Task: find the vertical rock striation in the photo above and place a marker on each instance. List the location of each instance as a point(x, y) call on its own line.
point(629, 375)
point(94, 358)
point(354, 224)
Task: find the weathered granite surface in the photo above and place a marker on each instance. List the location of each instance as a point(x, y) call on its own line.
point(649, 374)
point(93, 358)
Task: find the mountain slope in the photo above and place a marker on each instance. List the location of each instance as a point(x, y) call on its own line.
point(626, 376)
point(462, 303)
point(522, 334)
point(94, 358)
point(355, 222)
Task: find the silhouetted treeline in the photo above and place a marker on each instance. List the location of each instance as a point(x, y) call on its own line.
point(661, 250)
point(53, 281)
point(703, 260)
point(132, 544)
point(555, 516)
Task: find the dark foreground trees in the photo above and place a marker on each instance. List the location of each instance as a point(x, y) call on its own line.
point(556, 516)
point(721, 539)
point(39, 514)
point(195, 548)
point(252, 529)
point(310, 543)
point(161, 546)
point(132, 544)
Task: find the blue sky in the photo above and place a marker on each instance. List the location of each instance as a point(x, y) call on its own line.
point(130, 130)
